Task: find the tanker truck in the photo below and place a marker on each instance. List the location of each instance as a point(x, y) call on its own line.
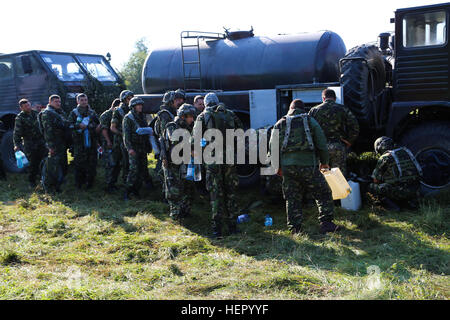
point(397, 86)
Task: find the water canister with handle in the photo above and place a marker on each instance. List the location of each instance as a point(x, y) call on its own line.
point(337, 182)
point(353, 200)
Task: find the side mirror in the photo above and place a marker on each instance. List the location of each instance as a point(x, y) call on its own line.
point(26, 64)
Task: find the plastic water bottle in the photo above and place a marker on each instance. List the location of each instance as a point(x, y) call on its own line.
point(243, 218)
point(268, 221)
point(22, 160)
point(203, 142)
point(79, 120)
point(87, 141)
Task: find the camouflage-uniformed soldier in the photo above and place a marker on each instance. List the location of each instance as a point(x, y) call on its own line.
point(120, 154)
point(396, 178)
point(54, 125)
point(178, 190)
point(221, 179)
point(136, 145)
point(300, 141)
point(340, 127)
point(84, 122)
point(27, 133)
point(199, 104)
point(112, 168)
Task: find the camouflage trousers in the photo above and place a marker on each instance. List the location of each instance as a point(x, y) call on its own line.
point(125, 162)
point(54, 169)
point(338, 156)
point(85, 161)
point(112, 166)
point(178, 191)
point(396, 191)
point(222, 182)
point(35, 157)
point(137, 165)
point(296, 181)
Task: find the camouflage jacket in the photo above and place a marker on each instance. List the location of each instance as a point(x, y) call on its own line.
point(54, 125)
point(131, 140)
point(165, 115)
point(77, 133)
point(105, 123)
point(302, 155)
point(26, 127)
point(117, 118)
point(388, 170)
point(169, 141)
point(336, 121)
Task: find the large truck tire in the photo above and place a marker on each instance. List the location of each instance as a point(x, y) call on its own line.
point(363, 77)
point(7, 153)
point(248, 175)
point(430, 143)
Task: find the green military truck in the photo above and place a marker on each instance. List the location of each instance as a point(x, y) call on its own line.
point(35, 75)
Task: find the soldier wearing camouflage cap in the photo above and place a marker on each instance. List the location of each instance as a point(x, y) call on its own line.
point(136, 146)
point(396, 178)
point(178, 190)
point(119, 153)
point(221, 179)
point(340, 127)
point(300, 139)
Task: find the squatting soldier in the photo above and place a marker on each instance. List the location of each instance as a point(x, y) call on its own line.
point(340, 127)
point(54, 125)
point(221, 179)
point(396, 178)
point(112, 168)
point(26, 127)
point(137, 146)
point(178, 190)
point(120, 154)
point(300, 140)
point(84, 122)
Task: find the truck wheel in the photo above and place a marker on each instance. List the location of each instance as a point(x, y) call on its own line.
point(248, 175)
point(7, 153)
point(430, 143)
point(363, 77)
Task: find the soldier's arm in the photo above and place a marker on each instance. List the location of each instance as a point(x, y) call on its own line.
point(18, 133)
point(115, 122)
point(49, 136)
point(127, 132)
point(380, 169)
point(320, 142)
point(352, 126)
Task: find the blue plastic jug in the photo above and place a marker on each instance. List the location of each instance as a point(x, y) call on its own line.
point(268, 221)
point(243, 218)
point(21, 159)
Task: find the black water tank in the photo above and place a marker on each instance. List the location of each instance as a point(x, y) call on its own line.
point(248, 63)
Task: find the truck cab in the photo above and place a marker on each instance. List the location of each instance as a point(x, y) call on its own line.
point(35, 75)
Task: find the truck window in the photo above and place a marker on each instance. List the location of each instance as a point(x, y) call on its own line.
point(64, 66)
point(6, 69)
point(425, 29)
point(97, 67)
point(35, 67)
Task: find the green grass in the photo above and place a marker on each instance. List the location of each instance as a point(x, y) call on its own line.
point(89, 245)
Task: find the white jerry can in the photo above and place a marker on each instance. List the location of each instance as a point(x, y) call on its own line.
point(353, 200)
point(338, 184)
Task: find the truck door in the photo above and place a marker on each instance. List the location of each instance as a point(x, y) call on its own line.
point(8, 94)
point(31, 80)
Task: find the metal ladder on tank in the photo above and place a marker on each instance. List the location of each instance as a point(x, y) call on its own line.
point(189, 36)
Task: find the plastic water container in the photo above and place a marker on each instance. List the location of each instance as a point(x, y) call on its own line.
point(338, 184)
point(243, 218)
point(87, 140)
point(268, 221)
point(21, 159)
point(353, 200)
point(194, 172)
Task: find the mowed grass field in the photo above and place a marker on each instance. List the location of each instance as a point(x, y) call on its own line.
point(90, 245)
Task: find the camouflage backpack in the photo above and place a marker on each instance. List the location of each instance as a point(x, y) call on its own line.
point(297, 138)
point(220, 118)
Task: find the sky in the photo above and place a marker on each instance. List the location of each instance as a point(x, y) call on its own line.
point(92, 26)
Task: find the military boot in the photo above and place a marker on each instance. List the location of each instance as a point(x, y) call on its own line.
point(328, 226)
point(296, 229)
point(217, 231)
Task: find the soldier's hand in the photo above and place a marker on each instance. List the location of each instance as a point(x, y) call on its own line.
point(51, 152)
point(324, 167)
point(165, 163)
point(16, 149)
point(131, 152)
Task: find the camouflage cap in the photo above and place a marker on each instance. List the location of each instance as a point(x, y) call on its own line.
point(383, 144)
point(186, 109)
point(135, 101)
point(124, 94)
point(168, 97)
point(179, 94)
point(211, 99)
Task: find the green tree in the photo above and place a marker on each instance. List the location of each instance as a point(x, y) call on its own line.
point(131, 71)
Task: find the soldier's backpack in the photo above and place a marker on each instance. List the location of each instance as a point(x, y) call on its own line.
point(220, 118)
point(405, 166)
point(296, 140)
point(155, 124)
